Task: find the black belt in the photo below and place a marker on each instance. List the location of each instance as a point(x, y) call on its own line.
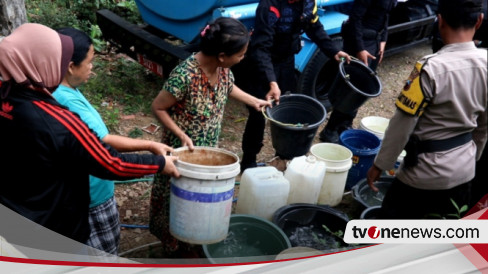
point(444, 144)
point(414, 146)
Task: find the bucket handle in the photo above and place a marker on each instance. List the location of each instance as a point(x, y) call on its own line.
point(347, 77)
point(299, 125)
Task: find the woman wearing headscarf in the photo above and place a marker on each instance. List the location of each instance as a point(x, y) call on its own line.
point(48, 153)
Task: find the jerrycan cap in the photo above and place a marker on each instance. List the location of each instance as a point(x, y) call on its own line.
point(311, 159)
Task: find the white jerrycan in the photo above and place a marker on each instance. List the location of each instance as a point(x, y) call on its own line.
point(262, 191)
point(305, 174)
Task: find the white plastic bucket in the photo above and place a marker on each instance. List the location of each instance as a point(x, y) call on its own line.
point(338, 160)
point(201, 199)
point(375, 124)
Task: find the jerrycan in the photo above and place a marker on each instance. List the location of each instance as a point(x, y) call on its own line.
point(306, 175)
point(262, 191)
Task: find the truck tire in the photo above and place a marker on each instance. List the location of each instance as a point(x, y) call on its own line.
point(318, 75)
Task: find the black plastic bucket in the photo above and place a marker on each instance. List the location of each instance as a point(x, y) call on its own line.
point(294, 123)
point(314, 226)
point(354, 84)
point(371, 213)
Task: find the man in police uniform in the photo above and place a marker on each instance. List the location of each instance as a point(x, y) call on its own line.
point(269, 67)
point(441, 121)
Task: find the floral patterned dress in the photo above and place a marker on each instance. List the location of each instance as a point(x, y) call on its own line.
point(198, 112)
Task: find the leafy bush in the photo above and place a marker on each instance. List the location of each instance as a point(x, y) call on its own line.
point(119, 81)
point(79, 14)
point(52, 15)
point(120, 84)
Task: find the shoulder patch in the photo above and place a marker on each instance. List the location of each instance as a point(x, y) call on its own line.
point(275, 11)
point(412, 100)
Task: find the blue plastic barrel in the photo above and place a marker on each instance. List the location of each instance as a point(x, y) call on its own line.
point(364, 146)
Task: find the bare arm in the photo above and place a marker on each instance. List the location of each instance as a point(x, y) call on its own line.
point(160, 106)
point(248, 99)
point(126, 144)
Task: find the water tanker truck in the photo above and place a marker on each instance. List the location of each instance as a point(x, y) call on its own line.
point(172, 28)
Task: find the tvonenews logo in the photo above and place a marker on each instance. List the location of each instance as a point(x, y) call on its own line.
point(416, 231)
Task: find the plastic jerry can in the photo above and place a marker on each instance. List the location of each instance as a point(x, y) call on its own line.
point(306, 175)
point(262, 191)
point(392, 172)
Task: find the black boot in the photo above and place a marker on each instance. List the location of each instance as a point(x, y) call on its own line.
point(248, 162)
point(329, 136)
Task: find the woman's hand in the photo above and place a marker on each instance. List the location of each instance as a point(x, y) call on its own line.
point(186, 141)
point(160, 148)
point(259, 104)
point(170, 168)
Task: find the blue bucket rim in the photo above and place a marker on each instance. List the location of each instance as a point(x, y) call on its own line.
point(363, 151)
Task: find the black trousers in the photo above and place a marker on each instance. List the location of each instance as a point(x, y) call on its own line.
point(338, 121)
point(252, 140)
point(405, 202)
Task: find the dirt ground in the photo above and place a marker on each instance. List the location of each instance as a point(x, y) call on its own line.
point(133, 198)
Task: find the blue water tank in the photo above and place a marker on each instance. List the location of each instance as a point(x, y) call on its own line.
point(183, 19)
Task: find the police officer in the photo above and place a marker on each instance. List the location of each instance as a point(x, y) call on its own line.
point(364, 35)
point(441, 121)
point(270, 66)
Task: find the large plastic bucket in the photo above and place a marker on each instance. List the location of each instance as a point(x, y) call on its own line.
point(201, 199)
point(375, 124)
point(250, 239)
point(294, 123)
point(353, 85)
point(364, 146)
point(371, 213)
point(362, 193)
point(314, 226)
point(338, 160)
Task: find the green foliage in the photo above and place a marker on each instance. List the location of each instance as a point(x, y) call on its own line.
point(339, 233)
point(128, 10)
point(118, 80)
point(96, 36)
point(51, 14)
point(79, 14)
point(456, 215)
point(111, 118)
point(135, 133)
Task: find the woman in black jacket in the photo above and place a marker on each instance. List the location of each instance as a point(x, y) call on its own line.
point(48, 152)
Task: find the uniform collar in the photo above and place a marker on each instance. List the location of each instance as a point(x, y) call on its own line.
point(458, 47)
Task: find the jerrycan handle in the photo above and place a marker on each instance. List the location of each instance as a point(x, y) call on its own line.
point(311, 159)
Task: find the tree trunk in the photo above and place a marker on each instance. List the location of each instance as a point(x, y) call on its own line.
point(12, 15)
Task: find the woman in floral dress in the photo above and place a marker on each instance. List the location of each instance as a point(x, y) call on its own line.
point(190, 107)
